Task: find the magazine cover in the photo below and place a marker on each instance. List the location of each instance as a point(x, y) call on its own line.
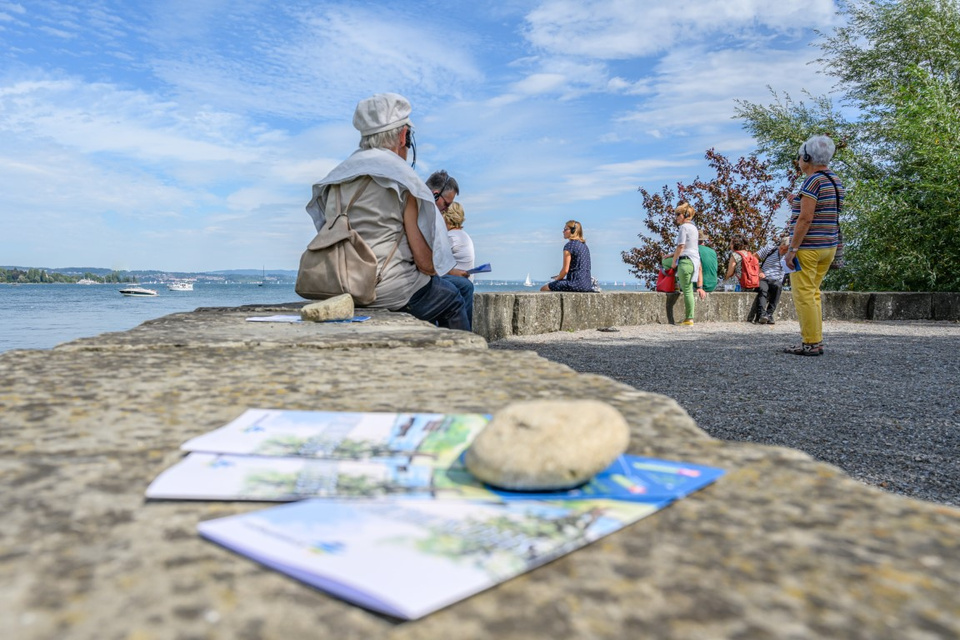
point(409, 558)
point(418, 438)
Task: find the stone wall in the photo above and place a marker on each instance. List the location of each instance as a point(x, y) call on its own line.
point(497, 315)
point(782, 546)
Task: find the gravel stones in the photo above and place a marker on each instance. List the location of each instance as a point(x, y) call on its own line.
point(336, 308)
point(544, 445)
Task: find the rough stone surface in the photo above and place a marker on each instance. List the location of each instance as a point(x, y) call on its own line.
point(336, 308)
point(781, 546)
point(543, 445)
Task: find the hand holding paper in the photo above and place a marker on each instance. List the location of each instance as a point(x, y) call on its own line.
point(484, 268)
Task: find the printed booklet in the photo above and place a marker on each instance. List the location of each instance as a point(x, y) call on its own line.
point(208, 476)
point(432, 439)
point(409, 558)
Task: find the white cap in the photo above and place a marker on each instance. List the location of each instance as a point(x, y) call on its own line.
point(382, 112)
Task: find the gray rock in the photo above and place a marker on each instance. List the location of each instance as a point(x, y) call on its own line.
point(336, 308)
point(544, 445)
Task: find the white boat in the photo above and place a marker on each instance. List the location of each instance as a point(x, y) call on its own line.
point(138, 291)
point(87, 281)
point(527, 282)
point(180, 286)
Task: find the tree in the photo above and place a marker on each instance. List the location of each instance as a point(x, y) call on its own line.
point(898, 65)
point(742, 199)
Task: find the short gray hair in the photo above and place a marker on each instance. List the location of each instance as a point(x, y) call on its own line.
point(819, 148)
point(383, 140)
point(442, 180)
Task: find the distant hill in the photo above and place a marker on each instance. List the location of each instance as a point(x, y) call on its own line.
point(226, 275)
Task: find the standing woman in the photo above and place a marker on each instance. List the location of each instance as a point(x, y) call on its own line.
point(686, 260)
point(814, 228)
point(575, 274)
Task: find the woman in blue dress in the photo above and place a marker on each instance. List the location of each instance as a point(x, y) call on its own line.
point(575, 274)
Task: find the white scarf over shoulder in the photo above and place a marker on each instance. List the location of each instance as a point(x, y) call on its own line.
point(390, 170)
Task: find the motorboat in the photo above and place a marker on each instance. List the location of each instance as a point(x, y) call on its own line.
point(180, 286)
point(138, 291)
point(87, 281)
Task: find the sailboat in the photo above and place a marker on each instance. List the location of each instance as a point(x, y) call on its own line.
point(527, 282)
point(263, 276)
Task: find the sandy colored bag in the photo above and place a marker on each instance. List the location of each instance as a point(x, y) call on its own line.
point(339, 261)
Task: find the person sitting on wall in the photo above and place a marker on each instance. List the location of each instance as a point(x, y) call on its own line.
point(771, 280)
point(445, 189)
point(708, 264)
point(575, 273)
point(395, 215)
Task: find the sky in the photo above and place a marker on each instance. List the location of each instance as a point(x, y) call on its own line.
point(185, 135)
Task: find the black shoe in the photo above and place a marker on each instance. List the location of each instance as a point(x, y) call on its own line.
point(762, 320)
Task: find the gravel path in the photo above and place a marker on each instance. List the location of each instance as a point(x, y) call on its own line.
point(882, 403)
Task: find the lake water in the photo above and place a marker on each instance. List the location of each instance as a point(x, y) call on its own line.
point(41, 316)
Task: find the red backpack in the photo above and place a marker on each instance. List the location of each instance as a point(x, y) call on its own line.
point(749, 271)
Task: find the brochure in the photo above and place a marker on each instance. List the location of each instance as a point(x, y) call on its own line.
point(206, 476)
point(291, 318)
point(484, 268)
point(790, 267)
point(409, 558)
point(432, 439)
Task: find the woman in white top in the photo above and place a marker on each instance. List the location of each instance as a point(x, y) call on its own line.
point(459, 240)
point(686, 260)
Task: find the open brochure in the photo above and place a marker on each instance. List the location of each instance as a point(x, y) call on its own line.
point(410, 558)
point(208, 476)
point(297, 318)
point(431, 439)
point(484, 268)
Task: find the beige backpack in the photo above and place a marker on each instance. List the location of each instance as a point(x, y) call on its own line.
point(339, 261)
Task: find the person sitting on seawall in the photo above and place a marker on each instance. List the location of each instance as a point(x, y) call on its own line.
point(686, 261)
point(395, 214)
point(445, 189)
point(814, 226)
point(708, 263)
point(575, 274)
point(460, 240)
point(735, 263)
point(771, 280)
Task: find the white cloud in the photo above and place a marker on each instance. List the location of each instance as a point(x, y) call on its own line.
point(618, 29)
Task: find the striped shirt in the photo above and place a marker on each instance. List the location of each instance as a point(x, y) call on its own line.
point(824, 227)
point(769, 258)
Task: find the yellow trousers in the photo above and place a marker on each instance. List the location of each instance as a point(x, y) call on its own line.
point(805, 286)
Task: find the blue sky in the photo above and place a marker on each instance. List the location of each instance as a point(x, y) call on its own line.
point(185, 135)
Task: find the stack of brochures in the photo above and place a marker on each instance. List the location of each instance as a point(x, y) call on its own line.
point(387, 517)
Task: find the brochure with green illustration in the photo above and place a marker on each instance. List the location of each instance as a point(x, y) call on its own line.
point(409, 558)
point(205, 476)
point(432, 439)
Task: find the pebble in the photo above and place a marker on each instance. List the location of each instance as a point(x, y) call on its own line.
point(544, 445)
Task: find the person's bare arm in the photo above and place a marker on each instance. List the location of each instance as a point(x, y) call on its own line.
point(422, 253)
point(566, 266)
point(731, 268)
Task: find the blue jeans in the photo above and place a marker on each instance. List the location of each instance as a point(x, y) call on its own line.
point(439, 301)
point(465, 287)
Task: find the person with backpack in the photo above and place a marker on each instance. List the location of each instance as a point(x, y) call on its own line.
point(395, 215)
point(771, 280)
point(743, 265)
point(686, 261)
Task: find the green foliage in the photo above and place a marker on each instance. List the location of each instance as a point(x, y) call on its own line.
point(898, 64)
point(741, 200)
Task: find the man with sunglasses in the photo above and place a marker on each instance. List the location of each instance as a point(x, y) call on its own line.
point(445, 190)
point(394, 213)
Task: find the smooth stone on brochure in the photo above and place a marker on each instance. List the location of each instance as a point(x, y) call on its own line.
point(336, 308)
point(546, 445)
